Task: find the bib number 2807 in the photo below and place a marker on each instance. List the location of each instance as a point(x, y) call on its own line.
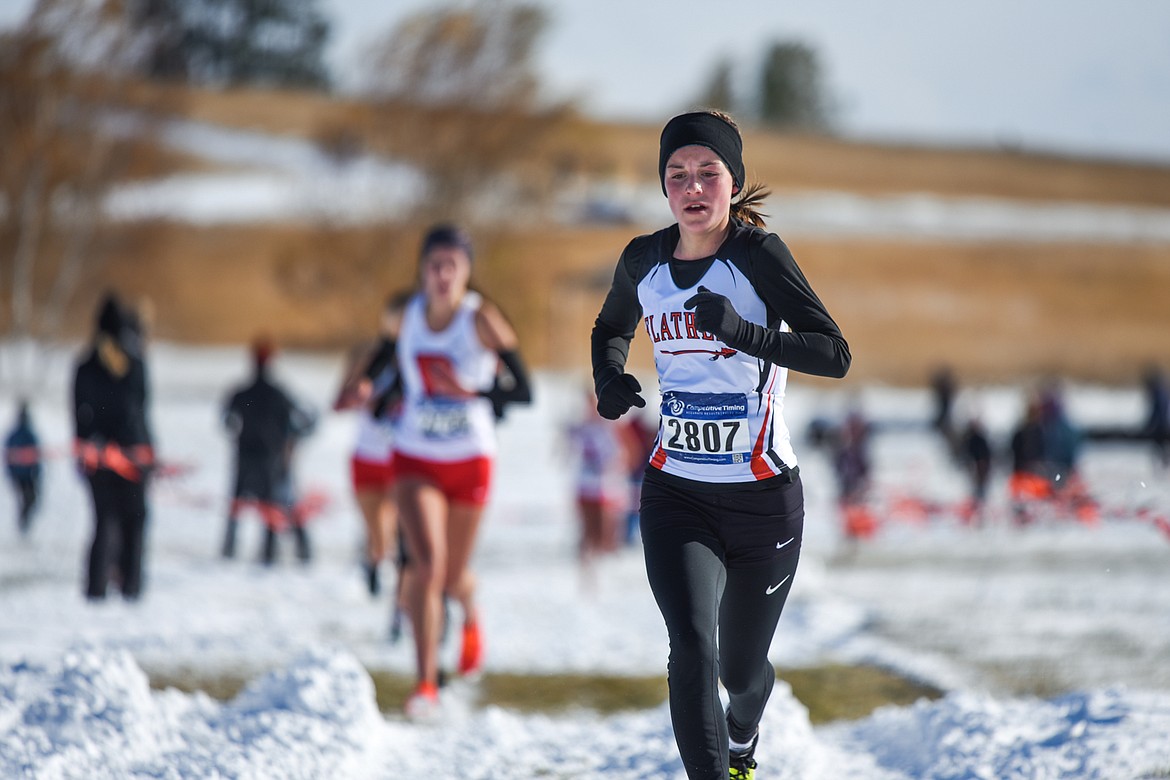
point(712, 437)
point(705, 427)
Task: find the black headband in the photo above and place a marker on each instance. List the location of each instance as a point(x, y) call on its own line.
point(702, 129)
point(446, 235)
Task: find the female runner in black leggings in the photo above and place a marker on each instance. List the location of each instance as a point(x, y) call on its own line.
point(722, 510)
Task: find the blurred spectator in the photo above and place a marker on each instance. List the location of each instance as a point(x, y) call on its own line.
point(1030, 472)
point(22, 458)
point(640, 438)
point(1045, 453)
point(266, 424)
point(943, 388)
point(1157, 425)
point(602, 455)
point(851, 458)
point(977, 456)
point(1062, 441)
point(851, 464)
point(114, 450)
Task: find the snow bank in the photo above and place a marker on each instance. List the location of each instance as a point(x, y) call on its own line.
point(1103, 735)
point(92, 715)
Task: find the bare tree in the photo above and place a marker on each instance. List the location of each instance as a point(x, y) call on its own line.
point(454, 92)
point(70, 124)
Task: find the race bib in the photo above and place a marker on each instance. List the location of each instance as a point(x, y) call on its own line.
point(705, 427)
point(443, 419)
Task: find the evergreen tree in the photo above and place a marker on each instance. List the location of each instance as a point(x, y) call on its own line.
point(792, 93)
point(229, 42)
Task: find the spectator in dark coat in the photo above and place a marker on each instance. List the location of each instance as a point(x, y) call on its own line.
point(22, 458)
point(1157, 425)
point(266, 423)
point(114, 450)
point(977, 457)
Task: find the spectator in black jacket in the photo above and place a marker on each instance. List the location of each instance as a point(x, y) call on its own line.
point(266, 423)
point(114, 450)
point(22, 459)
point(1157, 426)
point(977, 457)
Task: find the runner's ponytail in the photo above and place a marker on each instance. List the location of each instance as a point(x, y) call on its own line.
point(746, 205)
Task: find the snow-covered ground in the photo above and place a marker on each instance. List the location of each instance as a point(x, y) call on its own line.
point(1077, 614)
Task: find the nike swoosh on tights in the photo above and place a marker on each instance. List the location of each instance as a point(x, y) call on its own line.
point(780, 545)
point(776, 587)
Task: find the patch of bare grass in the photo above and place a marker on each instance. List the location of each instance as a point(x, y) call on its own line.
point(830, 692)
point(836, 692)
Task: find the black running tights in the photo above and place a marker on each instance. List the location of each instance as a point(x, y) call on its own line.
point(720, 566)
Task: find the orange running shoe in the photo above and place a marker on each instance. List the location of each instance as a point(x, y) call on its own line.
point(471, 658)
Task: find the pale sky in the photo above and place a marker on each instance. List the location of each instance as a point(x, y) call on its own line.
point(1084, 76)
point(1079, 76)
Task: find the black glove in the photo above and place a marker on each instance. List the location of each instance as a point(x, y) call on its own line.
point(715, 315)
point(499, 399)
point(518, 391)
point(617, 394)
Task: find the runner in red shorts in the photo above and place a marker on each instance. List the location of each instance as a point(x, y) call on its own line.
point(449, 344)
point(372, 463)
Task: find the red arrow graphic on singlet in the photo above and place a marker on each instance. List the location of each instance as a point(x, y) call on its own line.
point(726, 352)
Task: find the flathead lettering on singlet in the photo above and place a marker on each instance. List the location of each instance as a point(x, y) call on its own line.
point(776, 587)
point(715, 354)
point(674, 325)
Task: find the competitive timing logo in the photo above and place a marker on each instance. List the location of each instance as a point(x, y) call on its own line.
point(676, 406)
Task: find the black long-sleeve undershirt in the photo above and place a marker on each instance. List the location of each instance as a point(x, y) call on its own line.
point(814, 345)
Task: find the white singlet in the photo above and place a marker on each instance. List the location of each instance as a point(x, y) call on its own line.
point(374, 442)
point(601, 472)
point(442, 428)
point(722, 415)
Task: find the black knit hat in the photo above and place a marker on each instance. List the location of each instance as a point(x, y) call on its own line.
point(702, 128)
point(110, 319)
point(446, 235)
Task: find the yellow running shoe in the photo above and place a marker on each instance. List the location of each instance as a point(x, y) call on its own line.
point(743, 765)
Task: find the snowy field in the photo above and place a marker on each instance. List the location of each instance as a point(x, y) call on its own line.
point(1052, 643)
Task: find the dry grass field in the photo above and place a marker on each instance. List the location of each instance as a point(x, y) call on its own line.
point(782, 161)
point(991, 310)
